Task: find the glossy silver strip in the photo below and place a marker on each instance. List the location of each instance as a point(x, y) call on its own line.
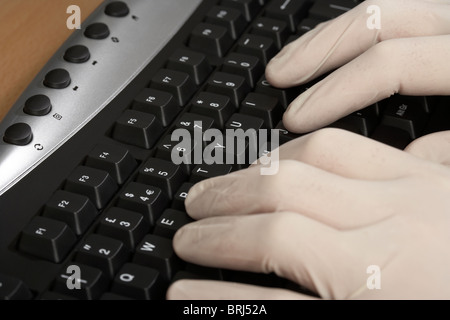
point(140, 40)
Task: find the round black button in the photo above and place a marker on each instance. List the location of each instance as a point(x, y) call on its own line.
point(57, 79)
point(77, 54)
point(19, 134)
point(38, 105)
point(97, 31)
point(117, 9)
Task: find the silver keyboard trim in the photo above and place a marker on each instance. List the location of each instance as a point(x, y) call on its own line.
point(117, 65)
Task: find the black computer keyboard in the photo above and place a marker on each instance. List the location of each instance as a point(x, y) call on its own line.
point(90, 198)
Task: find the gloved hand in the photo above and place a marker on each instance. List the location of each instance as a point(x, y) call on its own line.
point(408, 55)
point(341, 204)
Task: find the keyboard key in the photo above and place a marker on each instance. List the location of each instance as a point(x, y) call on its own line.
point(249, 8)
point(180, 151)
point(215, 106)
point(139, 283)
point(47, 239)
point(245, 122)
point(307, 25)
point(170, 221)
point(290, 11)
point(138, 129)
point(115, 160)
point(232, 86)
point(180, 196)
point(179, 84)
point(126, 226)
point(159, 103)
point(96, 184)
point(405, 113)
point(13, 289)
point(262, 47)
point(284, 134)
point(194, 123)
point(207, 171)
point(284, 96)
point(93, 283)
point(210, 39)
point(264, 107)
point(395, 137)
point(195, 64)
point(361, 122)
point(230, 18)
point(162, 174)
point(439, 117)
point(145, 199)
point(157, 252)
point(249, 67)
point(75, 210)
point(330, 9)
point(277, 30)
point(242, 146)
point(102, 252)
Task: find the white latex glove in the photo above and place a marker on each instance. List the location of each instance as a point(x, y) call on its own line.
point(408, 55)
point(339, 204)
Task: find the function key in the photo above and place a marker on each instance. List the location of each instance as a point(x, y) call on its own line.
point(77, 54)
point(117, 161)
point(38, 105)
point(193, 63)
point(97, 31)
point(18, 134)
point(232, 19)
point(179, 84)
point(96, 184)
point(75, 210)
point(57, 79)
point(117, 9)
point(159, 103)
point(249, 8)
point(210, 39)
point(47, 239)
point(138, 128)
